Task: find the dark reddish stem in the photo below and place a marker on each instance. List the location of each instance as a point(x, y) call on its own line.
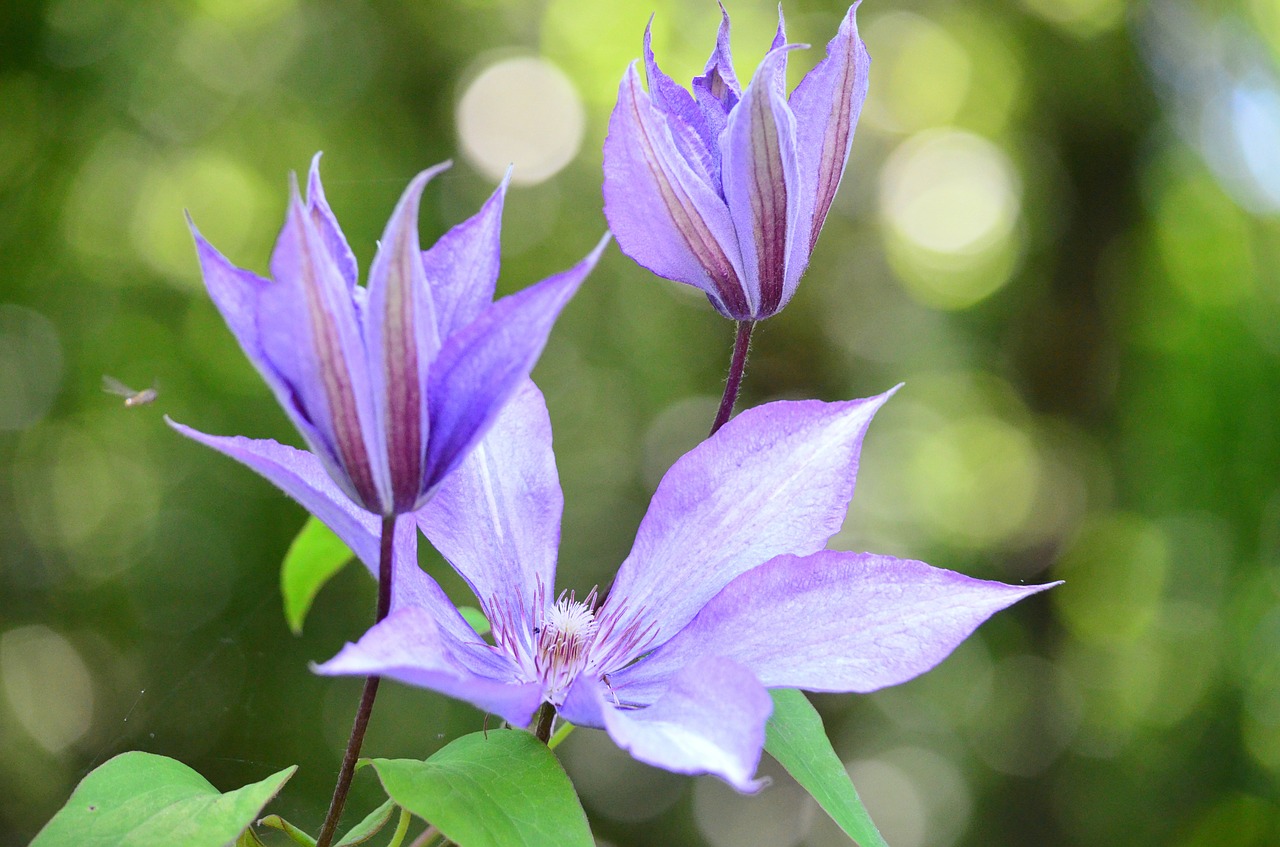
point(737, 367)
point(348, 769)
point(546, 720)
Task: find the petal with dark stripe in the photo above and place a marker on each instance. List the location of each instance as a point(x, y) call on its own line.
point(664, 216)
point(826, 105)
point(309, 331)
point(761, 181)
point(401, 337)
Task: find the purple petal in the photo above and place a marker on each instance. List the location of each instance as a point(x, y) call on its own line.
point(832, 621)
point(480, 366)
point(496, 518)
point(776, 479)
point(236, 293)
point(327, 225)
point(694, 139)
point(717, 89)
point(761, 177)
point(401, 337)
point(664, 215)
point(710, 719)
point(409, 647)
point(780, 38)
point(301, 475)
point(309, 332)
point(462, 267)
point(826, 105)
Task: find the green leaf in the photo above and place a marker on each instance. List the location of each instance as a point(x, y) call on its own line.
point(296, 835)
point(315, 555)
point(143, 800)
point(369, 827)
point(475, 619)
point(796, 738)
point(504, 791)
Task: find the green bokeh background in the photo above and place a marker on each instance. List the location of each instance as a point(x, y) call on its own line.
point(1039, 233)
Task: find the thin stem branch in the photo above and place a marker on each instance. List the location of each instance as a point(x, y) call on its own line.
point(428, 835)
point(546, 720)
point(402, 828)
point(348, 769)
point(737, 367)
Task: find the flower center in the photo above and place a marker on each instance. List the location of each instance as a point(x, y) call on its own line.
point(562, 641)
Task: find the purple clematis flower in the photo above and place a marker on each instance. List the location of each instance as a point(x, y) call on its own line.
point(392, 384)
point(725, 189)
point(727, 592)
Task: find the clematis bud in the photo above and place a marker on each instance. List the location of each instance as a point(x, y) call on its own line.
point(726, 190)
point(390, 385)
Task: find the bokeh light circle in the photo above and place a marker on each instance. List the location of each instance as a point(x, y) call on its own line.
point(520, 111)
point(950, 202)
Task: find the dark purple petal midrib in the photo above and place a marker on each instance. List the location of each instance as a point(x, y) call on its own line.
point(835, 141)
point(697, 237)
point(769, 205)
point(336, 377)
point(404, 385)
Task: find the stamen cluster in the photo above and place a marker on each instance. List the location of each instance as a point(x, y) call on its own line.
point(563, 640)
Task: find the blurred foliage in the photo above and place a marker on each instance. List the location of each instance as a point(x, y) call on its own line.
point(1059, 227)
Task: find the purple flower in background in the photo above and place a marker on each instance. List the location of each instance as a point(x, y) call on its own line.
point(727, 592)
point(392, 384)
point(724, 189)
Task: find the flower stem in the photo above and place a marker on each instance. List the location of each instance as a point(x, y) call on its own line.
point(737, 367)
point(348, 769)
point(428, 836)
point(546, 720)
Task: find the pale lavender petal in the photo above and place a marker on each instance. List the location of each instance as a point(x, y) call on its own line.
point(409, 647)
point(780, 37)
point(693, 137)
point(761, 178)
point(496, 518)
point(832, 621)
point(709, 719)
point(481, 366)
point(327, 225)
point(401, 337)
point(462, 267)
point(309, 332)
point(301, 475)
point(664, 215)
point(826, 105)
point(716, 90)
point(236, 293)
point(776, 479)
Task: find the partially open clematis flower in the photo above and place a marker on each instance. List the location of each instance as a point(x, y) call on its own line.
point(392, 384)
point(727, 592)
point(725, 189)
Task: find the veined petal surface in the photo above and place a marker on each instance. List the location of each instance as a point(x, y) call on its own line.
point(710, 719)
point(663, 213)
point(826, 104)
point(409, 647)
point(776, 479)
point(832, 621)
point(762, 183)
point(309, 330)
point(401, 338)
point(496, 518)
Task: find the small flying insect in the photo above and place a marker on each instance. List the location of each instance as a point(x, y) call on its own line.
point(132, 398)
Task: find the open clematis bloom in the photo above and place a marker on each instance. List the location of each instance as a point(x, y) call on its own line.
point(392, 384)
point(726, 190)
point(727, 592)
